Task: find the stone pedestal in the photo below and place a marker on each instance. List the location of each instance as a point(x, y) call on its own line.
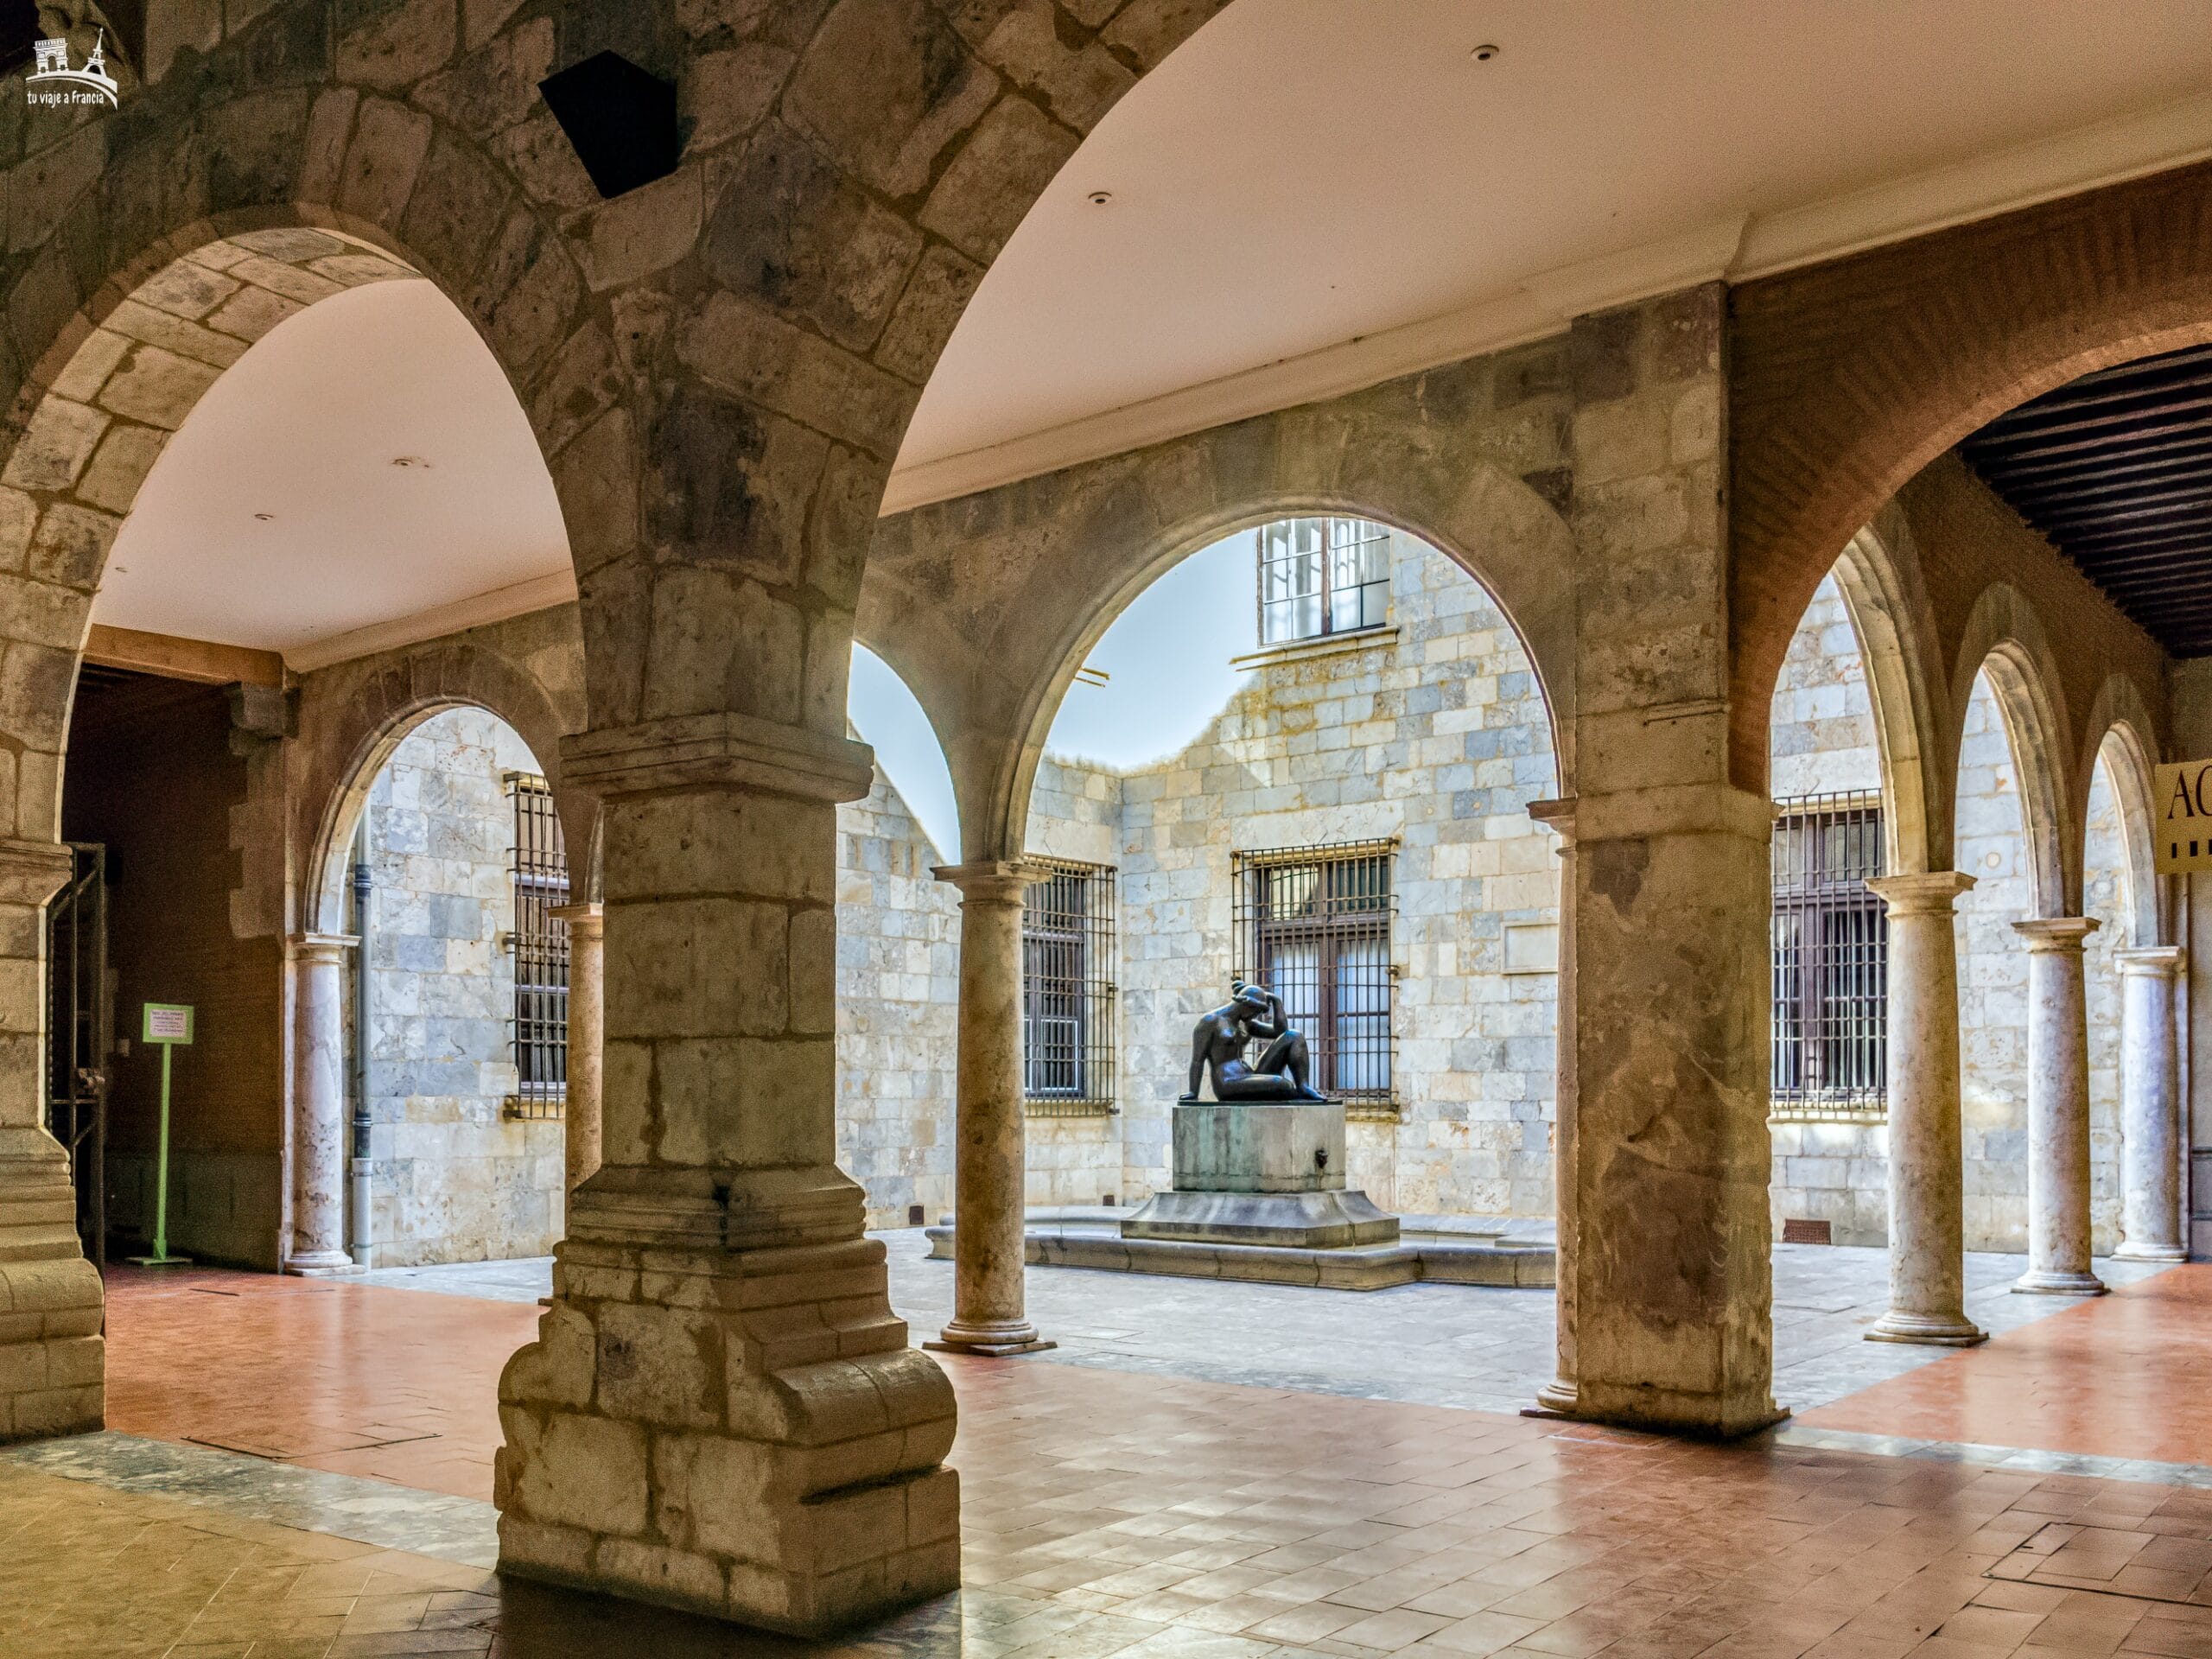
point(720, 1411)
point(1261, 1173)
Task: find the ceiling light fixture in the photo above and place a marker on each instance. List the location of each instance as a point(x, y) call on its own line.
point(1483, 54)
point(264, 517)
point(410, 461)
point(1100, 197)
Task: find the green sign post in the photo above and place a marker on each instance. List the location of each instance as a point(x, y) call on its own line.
point(167, 1024)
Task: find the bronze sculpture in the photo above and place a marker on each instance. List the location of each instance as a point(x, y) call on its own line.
point(1284, 1067)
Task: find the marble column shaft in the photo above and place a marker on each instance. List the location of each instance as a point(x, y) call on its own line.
point(2149, 1106)
point(1927, 1224)
point(2058, 1110)
point(52, 1355)
point(991, 1166)
point(587, 1021)
point(319, 1107)
point(1560, 1394)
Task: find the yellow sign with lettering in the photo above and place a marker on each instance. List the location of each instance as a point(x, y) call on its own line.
point(2185, 822)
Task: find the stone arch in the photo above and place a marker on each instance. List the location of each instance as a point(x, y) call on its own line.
point(1847, 379)
point(1879, 575)
point(2005, 639)
point(348, 744)
point(2118, 725)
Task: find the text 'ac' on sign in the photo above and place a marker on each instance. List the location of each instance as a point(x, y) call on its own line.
point(2185, 823)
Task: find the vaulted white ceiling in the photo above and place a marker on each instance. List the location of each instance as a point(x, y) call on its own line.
point(1305, 184)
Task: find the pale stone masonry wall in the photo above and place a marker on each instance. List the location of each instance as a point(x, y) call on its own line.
point(456, 1180)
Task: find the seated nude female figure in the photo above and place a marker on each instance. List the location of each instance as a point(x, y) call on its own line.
point(1283, 1068)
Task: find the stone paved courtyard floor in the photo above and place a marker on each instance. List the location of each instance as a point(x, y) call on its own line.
point(1118, 1501)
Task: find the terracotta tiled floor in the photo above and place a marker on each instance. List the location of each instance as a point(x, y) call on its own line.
point(2122, 1376)
point(400, 1384)
point(1112, 1513)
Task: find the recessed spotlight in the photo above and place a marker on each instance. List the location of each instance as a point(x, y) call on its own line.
point(410, 461)
point(265, 518)
point(1100, 197)
point(1483, 54)
point(122, 569)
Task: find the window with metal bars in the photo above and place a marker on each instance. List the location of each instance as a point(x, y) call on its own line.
point(1313, 924)
point(1831, 954)
point(1067, 988)
point(1320, 576)
point(539, 944)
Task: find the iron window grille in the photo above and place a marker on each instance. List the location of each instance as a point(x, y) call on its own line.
point(1067, 990)
point(1319, 576)
point(1313, 926)
point(539, 944)
point(1830, 957)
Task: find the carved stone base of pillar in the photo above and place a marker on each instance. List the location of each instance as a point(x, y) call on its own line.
point(993, 1339)
point(322, 1264)
point(721, 1412)
point(1691, 1415)
point(52, 1358)
point(2150, 1253)
point(2037, 1282)
point(1894, 1326)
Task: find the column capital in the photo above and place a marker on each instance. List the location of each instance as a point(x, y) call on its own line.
point(717, 751)
point(2057, 934)
point(32, 872)
point(2159, 961)
point(320, 947)
point(583, 918)
point(1556, 815)
point(988, 880)
point(1927, 892)
point(1664, 810)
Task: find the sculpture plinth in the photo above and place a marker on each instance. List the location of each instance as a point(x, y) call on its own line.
point(1261, 1173)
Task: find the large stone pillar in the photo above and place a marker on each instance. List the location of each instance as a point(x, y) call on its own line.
point(51, 1357)
point(2149, 1106)
point(720, 1411)
point(319, 1114)
point(1927, 1225)
point(2058, 1110)
point(991, 1164)
point(586, 1019)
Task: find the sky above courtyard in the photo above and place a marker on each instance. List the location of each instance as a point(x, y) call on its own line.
point(1166, 662)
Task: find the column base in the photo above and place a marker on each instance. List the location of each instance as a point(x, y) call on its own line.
point(2038, 1283)
point(53, 1359)
point(721, 1412)
point(1933, 1330)
point(322, 1264)
point(1555, 1399)
point(2150, 1253)
point(1700, 1417)
point(991, 1338)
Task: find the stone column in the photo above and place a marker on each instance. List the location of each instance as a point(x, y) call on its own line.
point(2149, 1106)
point(587, 1019)
point(991, 1164)
point(52, 1362)
point(720, 1411)
point(1927, 1226)
point(2058, 1110)
point(1560, 1394)
point(319, 1114)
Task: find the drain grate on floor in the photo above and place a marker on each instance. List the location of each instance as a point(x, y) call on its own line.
point(2113, 1561)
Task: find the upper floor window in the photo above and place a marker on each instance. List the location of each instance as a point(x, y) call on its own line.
point(540, 945)
point(1313, 926)
point(1831, 954)
point(1320, 576)
point(1067, 991)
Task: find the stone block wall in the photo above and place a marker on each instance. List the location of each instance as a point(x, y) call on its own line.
point(457, 1179)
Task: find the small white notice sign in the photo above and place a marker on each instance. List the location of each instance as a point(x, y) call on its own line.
point(168, 1022)
point(2183, 838)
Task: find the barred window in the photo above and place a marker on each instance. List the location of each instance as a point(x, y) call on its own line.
point(1313, 926)
point(1067, 990)
point(1320, 576)
point(1831, 953)
point(540, 946)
